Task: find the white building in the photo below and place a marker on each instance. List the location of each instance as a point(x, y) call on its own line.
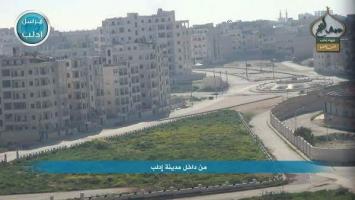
point(43, 98)
point(136, 82)
point(31, 100)
point(202, 48)
point(162, 29)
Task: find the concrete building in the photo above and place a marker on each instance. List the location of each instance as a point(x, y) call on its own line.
point(31, 100)
point(261, 39)
point(171, 35)
point(8, 41)
point(342, 62)
point(85, 90)
point(43, 98)
point(339, 108)
point(202, 43)
point(136, 82)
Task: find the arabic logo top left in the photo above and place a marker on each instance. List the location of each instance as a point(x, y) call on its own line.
point(32, 28)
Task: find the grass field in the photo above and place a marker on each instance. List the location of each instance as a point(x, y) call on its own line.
point(216, 136)
point(339, 194)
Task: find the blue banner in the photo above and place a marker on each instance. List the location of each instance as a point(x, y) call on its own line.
point(177, 167)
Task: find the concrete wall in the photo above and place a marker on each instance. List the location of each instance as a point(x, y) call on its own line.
point(308, 103)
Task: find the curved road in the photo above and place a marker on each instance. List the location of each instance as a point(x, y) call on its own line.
point(238, 93)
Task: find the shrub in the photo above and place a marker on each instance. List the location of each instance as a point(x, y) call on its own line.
point(305, 133)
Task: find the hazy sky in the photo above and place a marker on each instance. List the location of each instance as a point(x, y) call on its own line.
point(88, 14)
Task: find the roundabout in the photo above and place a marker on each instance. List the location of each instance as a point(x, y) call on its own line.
point(293, 84)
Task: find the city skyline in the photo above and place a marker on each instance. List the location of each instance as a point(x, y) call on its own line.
point(197, 12)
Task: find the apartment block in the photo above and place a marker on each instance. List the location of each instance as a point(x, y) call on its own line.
point(42, 98)
point(136, 82)
point(31, 102)
point(162, 29)
point(203, 43)
point(83, 78)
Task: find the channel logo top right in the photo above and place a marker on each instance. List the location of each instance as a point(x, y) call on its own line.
point(327, 30)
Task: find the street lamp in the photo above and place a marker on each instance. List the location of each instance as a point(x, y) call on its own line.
point(273, 68)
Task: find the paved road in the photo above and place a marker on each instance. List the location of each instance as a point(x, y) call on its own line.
point(344, 176)
point(339, 176)
point(272, 141)
point(238, 93)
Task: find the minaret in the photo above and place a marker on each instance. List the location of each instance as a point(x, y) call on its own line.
point(280, 16)
point(286, 19)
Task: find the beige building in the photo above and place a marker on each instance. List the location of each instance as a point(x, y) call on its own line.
point(170, 35)
point(31, 101)
point(136, 82)
point(43, 98)
point(202, 43)
point(84, 88)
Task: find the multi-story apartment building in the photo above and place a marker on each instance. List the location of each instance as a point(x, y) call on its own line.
point(42, 98)
point(84, 88)
point(8, 41)
point(136, 81)
point(202, 43)
point(31, 101)
point(261, 39)
point(170, 35)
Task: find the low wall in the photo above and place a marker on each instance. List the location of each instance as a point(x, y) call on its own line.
point(188, 192)
point(304, 104)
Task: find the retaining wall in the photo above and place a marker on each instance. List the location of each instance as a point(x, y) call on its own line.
point(305, 104)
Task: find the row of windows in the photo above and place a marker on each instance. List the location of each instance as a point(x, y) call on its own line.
point(21, 73)
point(22, 84)
point(119, 22)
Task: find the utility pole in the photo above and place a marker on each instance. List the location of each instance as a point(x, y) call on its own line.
point(286, 93)
point(215, 84)
point(246, 69)
point(273, 70)
point(192, 102)
point(220, 85)
point(226, 76)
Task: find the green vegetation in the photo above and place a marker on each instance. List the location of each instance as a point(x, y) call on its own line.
point(306, 133)
point(339, 194)
point(216, 136)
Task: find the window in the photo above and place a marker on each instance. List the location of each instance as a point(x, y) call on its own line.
point(6, 84)
point(5, 72)
point(7, 95)
point(7, 106)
